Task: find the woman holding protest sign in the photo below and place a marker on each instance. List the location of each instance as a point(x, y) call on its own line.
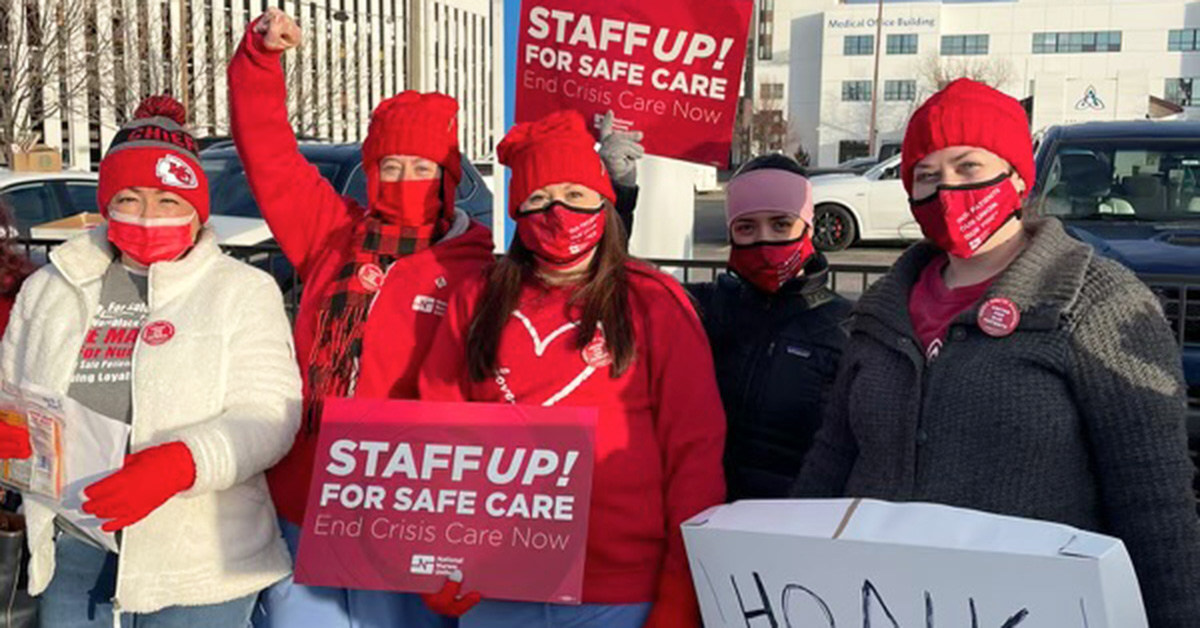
point(774, 326)
point(376, 279)
point(145, 321)
point(1002, 365)
point(567, 318)
point(358, 331)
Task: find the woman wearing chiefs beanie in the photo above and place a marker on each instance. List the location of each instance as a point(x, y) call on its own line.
point(774, 325)
point(635, 350)
point(357, 332)
point(1003, 366)
point(144, 320)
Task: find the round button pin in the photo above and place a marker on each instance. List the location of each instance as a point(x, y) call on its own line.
point(157, 333)
point(999, 317)
point(371, 277)
point(596, 354)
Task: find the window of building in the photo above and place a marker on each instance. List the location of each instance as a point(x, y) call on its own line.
point(852, 149)
point(1179, 91)
point(856, 91)
point(766, 29)
point(1183, 40)
point(965, 44)
point(902, 44)
point(1059, 43)
point(859, 45)
point(900, 91)
point(772, 91)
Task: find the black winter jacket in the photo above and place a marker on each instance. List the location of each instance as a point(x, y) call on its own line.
point(776, 356)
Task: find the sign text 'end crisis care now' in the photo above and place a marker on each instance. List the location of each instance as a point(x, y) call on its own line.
point(405, 493)
point(671, 68)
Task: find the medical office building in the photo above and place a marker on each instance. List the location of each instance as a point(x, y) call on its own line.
point(1067, 60)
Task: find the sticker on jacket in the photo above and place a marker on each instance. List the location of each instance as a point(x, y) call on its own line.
point(429, 305)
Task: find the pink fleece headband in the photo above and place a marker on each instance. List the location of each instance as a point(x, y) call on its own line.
point(769, 190)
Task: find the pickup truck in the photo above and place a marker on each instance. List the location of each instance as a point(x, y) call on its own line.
point(1132, 190)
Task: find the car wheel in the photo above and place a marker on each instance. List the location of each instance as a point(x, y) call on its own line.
point(833, 228)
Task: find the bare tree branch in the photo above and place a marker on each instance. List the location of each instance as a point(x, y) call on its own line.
point(45, 53)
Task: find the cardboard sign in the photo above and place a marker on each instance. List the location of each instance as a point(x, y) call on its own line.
point(670, 68)
point(404, 493)
point(821, 564)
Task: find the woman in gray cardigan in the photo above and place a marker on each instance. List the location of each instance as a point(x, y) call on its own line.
point(1003, 366)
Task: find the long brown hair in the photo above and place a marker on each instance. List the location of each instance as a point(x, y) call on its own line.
point(603, 299)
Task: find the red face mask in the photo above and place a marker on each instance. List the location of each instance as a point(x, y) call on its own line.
point(961, 219)
point(410, 203)
point(769, 265)
point(150, 240)
point(561, 235)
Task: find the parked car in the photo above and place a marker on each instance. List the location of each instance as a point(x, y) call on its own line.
point(1132, 190)
point(851, 166)
point(872, 206)
point(40, 197)
point(341, 164)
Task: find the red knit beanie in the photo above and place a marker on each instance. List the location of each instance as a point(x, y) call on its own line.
point(421, 125)
point(968, 113)
point(555, 149)
point(154, 151)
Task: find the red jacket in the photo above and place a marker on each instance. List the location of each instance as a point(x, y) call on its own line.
point(659, 439)
point(314, 227)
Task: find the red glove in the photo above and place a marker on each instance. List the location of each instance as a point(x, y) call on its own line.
point(14, 441)
point(447, 602)
point(149, 478)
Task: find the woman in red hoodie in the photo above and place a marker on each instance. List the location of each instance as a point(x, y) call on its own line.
point(566, 318)
point(376, 278)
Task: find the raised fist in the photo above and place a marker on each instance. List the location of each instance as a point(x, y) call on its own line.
point(280, 32)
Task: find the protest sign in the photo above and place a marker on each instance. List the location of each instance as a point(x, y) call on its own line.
point(821, 564)
point(405, 493)
point(670, 68)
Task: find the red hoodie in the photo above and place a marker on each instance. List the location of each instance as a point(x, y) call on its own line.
point(314, 227)
point(659, 439)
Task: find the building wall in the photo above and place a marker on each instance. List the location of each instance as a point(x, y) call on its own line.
point(355, 54)
point(1121, 81)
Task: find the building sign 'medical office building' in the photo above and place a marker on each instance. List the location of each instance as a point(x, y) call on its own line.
point(1068, 60)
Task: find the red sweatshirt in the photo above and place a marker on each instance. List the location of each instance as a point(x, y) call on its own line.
point(659, 438)
point(314, 226)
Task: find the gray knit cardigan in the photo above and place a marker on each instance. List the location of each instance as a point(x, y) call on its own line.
point(1078, 417)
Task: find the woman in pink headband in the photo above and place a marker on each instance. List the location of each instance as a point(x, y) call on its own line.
point(774, 325)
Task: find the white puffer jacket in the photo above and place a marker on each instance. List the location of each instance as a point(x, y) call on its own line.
point(226, 384)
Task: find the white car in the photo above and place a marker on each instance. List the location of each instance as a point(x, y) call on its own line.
point(39, 198)
point(853, 208)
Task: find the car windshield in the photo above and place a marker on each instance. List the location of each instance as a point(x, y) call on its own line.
point(1124, 180)
point(230, 192)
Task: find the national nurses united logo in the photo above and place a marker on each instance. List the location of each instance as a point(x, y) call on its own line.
point(422, 564)
point(1091, 100)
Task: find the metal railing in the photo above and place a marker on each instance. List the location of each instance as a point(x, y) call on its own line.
point(1180, 296)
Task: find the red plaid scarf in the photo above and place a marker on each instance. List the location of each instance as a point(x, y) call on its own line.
point(333, 364)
